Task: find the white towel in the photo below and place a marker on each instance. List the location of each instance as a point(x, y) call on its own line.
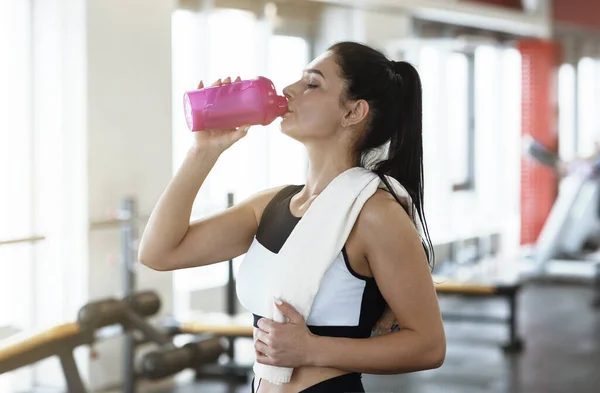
point(314, 244)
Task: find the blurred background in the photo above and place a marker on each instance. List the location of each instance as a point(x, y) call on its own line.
point(92, 130)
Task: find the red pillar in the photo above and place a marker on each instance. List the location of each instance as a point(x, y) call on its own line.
point(539, 184)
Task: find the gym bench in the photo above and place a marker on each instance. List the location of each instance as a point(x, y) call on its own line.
point(509, 291)
point(24, 349)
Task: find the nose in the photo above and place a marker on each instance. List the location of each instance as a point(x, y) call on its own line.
point(287, 92)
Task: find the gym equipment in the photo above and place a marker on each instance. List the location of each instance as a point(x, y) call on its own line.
point(539, 152)
point(573, 223)
point(129, 313)
point(170, 361)
point(127, 220)
point(234, 104)
point(570, 239)
point(61, 340)
point(228, 326)
point(475, 288)
point(473, 270)
point(572, 230)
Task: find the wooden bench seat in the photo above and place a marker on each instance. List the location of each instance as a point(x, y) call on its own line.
point(219, 324)
point(26, 348)
point(461, 287)
point(21, 343)
point(218, 329)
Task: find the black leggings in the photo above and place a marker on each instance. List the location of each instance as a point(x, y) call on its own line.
point(347, 383)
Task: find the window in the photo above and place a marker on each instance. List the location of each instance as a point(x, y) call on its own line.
point(208, 45)
point(287, 158)
point(566, 110)
point(429, 59)
point(507, 204)
point(17, 182)
point(471, 134)
point(16, 166)
point(487, 114)
point(459, 74)
point(588, 103)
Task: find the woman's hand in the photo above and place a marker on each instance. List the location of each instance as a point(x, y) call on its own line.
point(284, 344)
point(219, 140)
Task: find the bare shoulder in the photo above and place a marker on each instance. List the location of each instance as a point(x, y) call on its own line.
point(383, 220)
point(383, 210)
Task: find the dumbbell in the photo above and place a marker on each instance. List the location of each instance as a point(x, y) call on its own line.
point(101, 313)
point(170, 361)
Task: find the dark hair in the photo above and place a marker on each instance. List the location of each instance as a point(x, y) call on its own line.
point(393, 91)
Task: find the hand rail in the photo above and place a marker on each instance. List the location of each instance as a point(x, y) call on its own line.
point(31, 239)
point(116, 222)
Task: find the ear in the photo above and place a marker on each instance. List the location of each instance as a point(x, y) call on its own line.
point(356, 113)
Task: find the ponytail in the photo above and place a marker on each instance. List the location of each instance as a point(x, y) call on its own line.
point(405, 153)
point(393, 91)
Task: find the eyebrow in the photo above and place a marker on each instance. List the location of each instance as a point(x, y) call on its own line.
point(314, 71)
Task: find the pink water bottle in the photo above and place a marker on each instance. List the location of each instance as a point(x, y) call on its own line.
point(234, 104)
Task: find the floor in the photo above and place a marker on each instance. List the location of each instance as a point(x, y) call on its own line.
point(562, 350)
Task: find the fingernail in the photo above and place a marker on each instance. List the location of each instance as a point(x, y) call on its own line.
point(277, 301)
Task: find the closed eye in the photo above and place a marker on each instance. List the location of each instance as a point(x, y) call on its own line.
point(311, 86)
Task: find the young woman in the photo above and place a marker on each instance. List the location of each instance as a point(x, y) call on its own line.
point(350, 102)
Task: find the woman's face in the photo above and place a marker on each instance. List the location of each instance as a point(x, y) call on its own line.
point(314, 102)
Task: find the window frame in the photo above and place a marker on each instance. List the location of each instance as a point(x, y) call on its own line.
point(469, 183)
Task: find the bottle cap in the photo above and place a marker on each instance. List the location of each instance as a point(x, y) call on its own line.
point(282, 105)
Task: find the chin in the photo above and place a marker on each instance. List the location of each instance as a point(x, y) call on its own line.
point(289, 130)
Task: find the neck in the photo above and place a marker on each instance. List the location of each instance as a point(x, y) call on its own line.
point(325, 164)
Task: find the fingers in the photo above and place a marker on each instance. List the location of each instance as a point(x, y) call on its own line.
point(261, 347)
point(228, 80)
point(263, 338)
point(240, 133)
point(265, 325)
point(220, 82)
point(263, 359)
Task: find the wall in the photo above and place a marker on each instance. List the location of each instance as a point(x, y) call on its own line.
point(102, 86)
point(376, 28)
point(581, 13)
point(59, 120)
point(516, 4)
point(129, 139)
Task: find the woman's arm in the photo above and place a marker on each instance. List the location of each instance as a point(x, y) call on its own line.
point(171, 242)
point(398, 262)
